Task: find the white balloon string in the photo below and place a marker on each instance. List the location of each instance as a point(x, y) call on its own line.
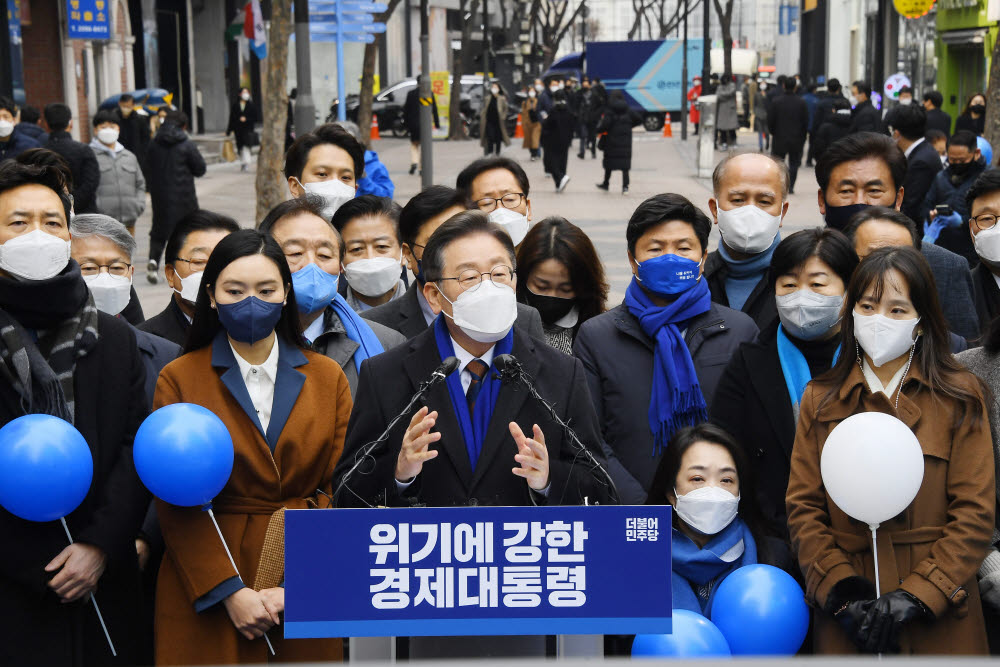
point(100, 617)
point(878, 586)
point(233, 562)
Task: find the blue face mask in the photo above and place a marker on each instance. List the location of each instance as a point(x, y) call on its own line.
point(668, 274)
point(314, 288)
point(249, 320)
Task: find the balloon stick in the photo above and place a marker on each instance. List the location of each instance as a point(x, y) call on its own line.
point(232, 562)
point(878, 586)
point(100, 617)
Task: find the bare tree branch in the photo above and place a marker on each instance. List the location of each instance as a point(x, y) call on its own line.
point(368, 76)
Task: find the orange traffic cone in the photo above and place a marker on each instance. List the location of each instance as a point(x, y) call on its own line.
point(519, 131)
point(374, 134)
point(667, 130)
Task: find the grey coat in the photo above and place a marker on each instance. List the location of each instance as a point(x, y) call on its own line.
point(726, 116)
point(121, 192)
point(335, 344)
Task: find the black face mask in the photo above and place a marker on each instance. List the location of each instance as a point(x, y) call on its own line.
point(960, 168)
point(551, 308)
point(978, 109)
point(837, 217)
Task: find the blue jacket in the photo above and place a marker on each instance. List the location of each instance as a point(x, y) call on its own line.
point(17, 144)
point(376, 180)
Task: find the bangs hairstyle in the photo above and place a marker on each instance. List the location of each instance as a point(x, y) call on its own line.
point(14, 174)
point(464, 181)
point(43, 157)
point(308, 204)
point(459, 226)
point(558, 238)
point(861, 146)
point(829, 245)
point(243, 243)
point(298, 153)
point(199, 220)
point(428, 204)
point(947, 378)
point(667, 207)
point(367, 206)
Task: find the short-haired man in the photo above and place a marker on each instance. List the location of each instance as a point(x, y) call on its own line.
point(423, 214)
point(13, 141)
point(31, 124)
point(373, 255)
point(326, 162)
point(905, 97)
point(749, 204)
point(498, 186)
point(121, 189)
point(984, 210)
point(315, 252)
point(653, 363)
point(59, 355)
point(867, 169)
point(907, 126)
point(83, 164)
point(134, 126)
point(949, 188)
point(865, 117)
point(375, 180)
point(937, 119)
point(185, 258)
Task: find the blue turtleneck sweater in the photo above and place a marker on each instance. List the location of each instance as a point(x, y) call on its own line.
point(744, 274)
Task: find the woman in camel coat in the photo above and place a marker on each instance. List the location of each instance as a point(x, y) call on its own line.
point(531, 124)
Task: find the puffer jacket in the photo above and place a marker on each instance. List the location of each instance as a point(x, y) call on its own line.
point(172, 162)
point(121, 192)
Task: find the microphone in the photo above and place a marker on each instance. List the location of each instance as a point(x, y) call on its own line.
point(439, 374)
point(510, 371)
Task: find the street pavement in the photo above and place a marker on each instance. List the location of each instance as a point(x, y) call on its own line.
point(658, 165)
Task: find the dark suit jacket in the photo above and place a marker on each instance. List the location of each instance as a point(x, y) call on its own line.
point(955, 290)
point(987, 296)
point(404, 315)
point(760, 305)
point(386, 384)
point(170, 324)
point(788, 122)
point(156, 353)
point(939, 120)
point(922, 166)
point(865, 118)
point(83, 164)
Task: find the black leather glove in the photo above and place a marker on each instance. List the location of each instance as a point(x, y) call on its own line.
point(885, 620)
point(848, 602)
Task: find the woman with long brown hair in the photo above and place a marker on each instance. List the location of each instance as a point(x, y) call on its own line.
point(896, 360)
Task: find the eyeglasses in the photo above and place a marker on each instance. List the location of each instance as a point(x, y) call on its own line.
point(470, 279)
point(985, 221)
point(115, 268)
point(195, 265)
point(509, 200)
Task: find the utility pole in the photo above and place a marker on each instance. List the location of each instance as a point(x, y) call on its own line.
point(426, 124)
point(305, 107)
point(486, 44)
point(706, 49)
point(684, 78)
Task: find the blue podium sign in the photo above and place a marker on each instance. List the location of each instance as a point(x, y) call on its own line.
point(477, 571)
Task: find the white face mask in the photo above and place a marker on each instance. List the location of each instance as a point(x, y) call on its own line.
point(808, 315)
point(539, 87)
point(34, 256)
point(245, 96)
point(987, 244)
point(708, 509)
point(108, 135)
point(531, 94)
point(335, 194)
point(748, 228)
point(6, 128)
point(884, 339)
point(853, 100)
point(514, 223)
point(190, 286)
point(906, 100)
point(111, 293)
point(495, 90)
point(485, 314)
point(373, 276)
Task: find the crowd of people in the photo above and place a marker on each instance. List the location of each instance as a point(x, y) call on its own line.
point(712, 387)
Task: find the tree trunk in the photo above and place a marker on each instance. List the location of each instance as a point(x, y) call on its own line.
point(992, 129)
point(368, 77)
point(725, 22)
point(271, 187)
point(455, 128)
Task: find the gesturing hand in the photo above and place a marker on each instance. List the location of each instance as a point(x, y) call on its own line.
point(533, 457)
point(82, 565)
point(414, 452)
point(249, 613)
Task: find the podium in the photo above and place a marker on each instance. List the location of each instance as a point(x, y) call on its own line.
point(577, 572)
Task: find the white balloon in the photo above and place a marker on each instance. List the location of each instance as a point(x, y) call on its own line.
point(872, 466)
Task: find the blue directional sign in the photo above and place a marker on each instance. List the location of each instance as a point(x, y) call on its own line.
point(363, 38)
point(372, 28)
point(347, 6)
point(349, 17)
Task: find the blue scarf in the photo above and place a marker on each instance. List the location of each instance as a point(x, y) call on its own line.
point(694, 567)
point(795, 369)
point(357, 330)
point(473, 430)
point(744, 274)
point(676, 399)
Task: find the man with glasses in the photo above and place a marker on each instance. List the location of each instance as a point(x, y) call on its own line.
point(477, 440)
point(984, 208)
point(185, 258)
point(498, 187)
point(423, 214)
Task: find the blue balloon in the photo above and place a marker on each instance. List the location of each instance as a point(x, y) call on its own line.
point(761, 610)
point(986, 150)
point(45, 467)
point(183, 454)
point(693, 636)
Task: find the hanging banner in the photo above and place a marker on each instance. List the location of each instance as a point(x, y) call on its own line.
point(441, 87)
point(88, 19)
point(912, 9)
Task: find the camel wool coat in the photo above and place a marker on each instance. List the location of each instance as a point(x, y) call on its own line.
point(284, 469)
point(532, 128)
point(933, 548)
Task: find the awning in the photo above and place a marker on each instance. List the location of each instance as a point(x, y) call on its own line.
point(967, 37)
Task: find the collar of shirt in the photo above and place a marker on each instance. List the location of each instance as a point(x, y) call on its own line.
point(425, 307)
point(315, 330)
point(875, 385)
point(464, 357)
point(269, 367)
point(996, 278)
point(909, 150)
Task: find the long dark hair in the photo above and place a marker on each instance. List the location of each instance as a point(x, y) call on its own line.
point(558, 238)
point(943, 373)
point(244, 243)
point(968, 102)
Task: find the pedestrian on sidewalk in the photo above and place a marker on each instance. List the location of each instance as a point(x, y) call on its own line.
point(586, 129)
point(13, 139)
point(121, 191)
point(727, 119)
point(493, 120)
point(788, 120)
point(692, 95)
point(836, 125)
point(411, 119)
point(242, 118)
point(759, 106)
point(133, 126)
point(531, 124)
point(80, 157)
point(616, 125)
point(557, 137)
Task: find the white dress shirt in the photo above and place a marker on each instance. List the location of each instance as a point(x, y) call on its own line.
point(909, 150)
point(314, 330)
point(464, 357)
point(260, 381)
point(875, 385)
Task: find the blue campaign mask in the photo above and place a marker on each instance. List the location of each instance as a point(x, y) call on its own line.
point(668, 274)
point(314, 288)
point(251, 319)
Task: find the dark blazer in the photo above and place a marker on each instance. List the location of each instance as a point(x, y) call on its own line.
point(156, 353)
point(760, 305)
point(242, 130)
point(39, 629)
point(133, 310)
point(617, 356)
point(133, 132)
point(388, 381)
point(83, 164)
point(170, 324)
point(788, 122)
point(865, 118)
point(987, 296)
point(955, 290)
point(939, 120)
point(922, 166)
point(404, 315)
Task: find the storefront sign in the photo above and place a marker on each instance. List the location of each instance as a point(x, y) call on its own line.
point(88, 19)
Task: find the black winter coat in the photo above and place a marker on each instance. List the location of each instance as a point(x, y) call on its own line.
point(824, 109)
point(83, 164)
point(618, 121)
point(172, 161)
point(987, 295)
point(133, 132)
point(939, 120)
point(18, 143)
point(944, 190)
point(974, 125)
point(835, 127)
point(243, 130)
point(558, 128)
point(788, 123)
point(411, 113)
point(37, 628)
point(865, 118)
point(169, 324)
point(32, 130)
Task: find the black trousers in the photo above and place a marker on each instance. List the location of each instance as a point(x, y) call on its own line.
point(156, 249)
point(794, 156)
point(555, 163)
point(607, 176)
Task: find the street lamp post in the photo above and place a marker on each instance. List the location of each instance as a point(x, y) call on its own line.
point(305, 107)
point(706, 49)
point(426, 129)
point(684, 78)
